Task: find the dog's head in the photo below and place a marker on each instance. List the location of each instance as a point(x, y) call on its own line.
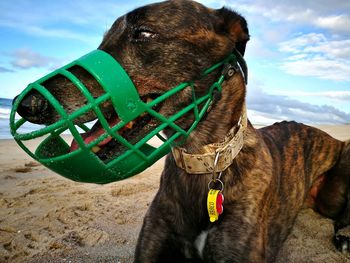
point(164, 44)
point(159, 46)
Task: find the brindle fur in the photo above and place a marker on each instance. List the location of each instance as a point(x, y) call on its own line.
point(267, 183)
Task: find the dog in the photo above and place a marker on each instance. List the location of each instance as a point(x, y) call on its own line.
point(274, 172)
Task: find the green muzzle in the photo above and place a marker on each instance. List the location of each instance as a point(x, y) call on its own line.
point(83, 164)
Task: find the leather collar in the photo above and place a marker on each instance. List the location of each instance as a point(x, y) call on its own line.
point(222, 153)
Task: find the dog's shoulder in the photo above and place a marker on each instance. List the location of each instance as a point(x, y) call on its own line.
point(282, 129)
point(290, 133)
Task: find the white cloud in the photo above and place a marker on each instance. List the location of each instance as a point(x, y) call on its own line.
point(330, 15)
point(261, 118)
point(325, 55)
point(316, 55)
point(337, 23)
point(319, 67)
point(334, 95)
point(26, 58)
point(297, 44)
point(267, 108)
point(339, 49)
point(317, 43)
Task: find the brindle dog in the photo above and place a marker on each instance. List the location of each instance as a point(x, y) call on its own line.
point(164, 44)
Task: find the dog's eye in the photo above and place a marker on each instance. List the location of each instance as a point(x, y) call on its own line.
point(143, 35)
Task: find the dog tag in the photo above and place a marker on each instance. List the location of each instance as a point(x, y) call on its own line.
point(214, 204)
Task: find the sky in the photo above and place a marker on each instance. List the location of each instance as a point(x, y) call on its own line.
point(298, 56)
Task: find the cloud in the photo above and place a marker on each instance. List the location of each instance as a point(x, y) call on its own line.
point(317, 43)
point(316, 55)
point(5, 70)
point(26, 58)
point(319, 67)
point(337, 23)
point(331, 15)
point(266, 108)
point(334, 95)
point(308, 38)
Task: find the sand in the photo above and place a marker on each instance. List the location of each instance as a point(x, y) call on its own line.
point(47, 218)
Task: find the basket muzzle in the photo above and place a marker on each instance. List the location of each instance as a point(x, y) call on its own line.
point(79, 160)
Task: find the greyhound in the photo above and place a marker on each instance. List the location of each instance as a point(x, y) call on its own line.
point(273, 170)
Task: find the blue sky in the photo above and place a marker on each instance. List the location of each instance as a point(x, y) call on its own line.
point(298, 56)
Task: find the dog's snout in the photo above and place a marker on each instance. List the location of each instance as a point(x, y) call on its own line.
point(33, 107)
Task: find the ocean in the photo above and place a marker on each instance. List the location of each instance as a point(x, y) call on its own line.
point(5, 109)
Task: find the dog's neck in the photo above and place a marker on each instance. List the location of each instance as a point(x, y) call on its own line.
point(224, 114)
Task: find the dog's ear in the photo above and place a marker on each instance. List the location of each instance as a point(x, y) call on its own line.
point(234, 26)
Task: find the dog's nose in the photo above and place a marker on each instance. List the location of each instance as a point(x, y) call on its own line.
point(33, 107)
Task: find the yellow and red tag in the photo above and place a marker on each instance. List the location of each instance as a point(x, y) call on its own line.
point(214, 204)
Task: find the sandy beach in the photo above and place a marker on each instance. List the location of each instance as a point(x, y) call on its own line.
point(47, 218)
